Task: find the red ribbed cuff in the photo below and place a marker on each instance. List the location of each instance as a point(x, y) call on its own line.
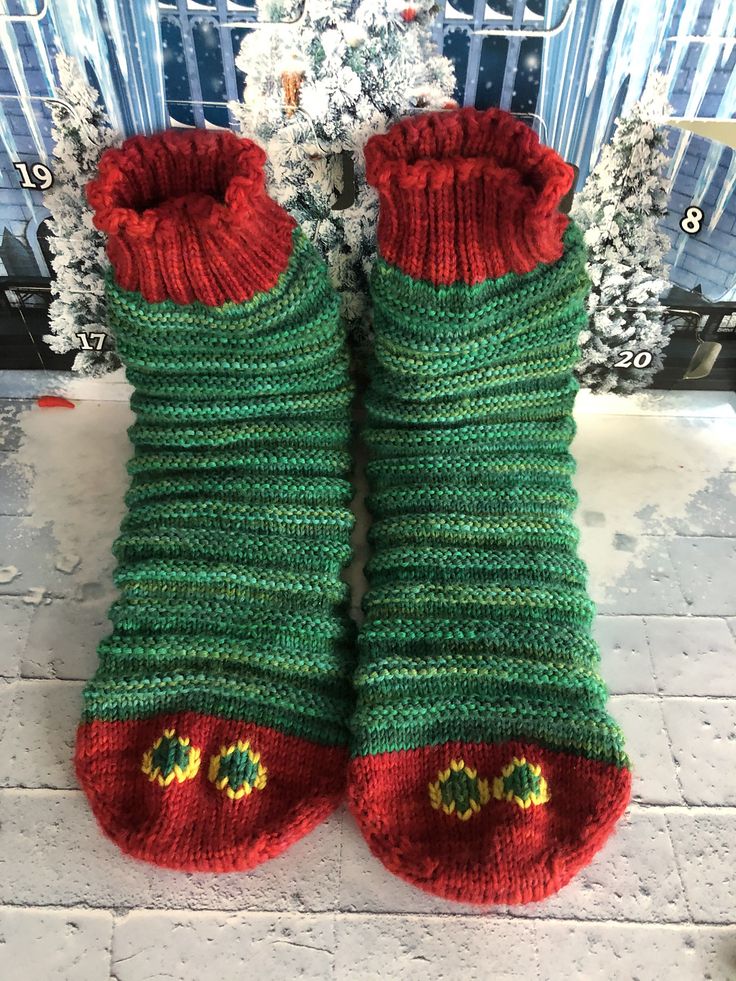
point(467, 196)
point(188, 218)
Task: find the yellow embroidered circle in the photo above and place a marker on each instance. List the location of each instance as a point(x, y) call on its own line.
point(457, 790)
point(237, 769)
point(171, 758)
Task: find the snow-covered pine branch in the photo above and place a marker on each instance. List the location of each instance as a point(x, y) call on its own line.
point(80, 133)
point(325, 83)
point(619, 211)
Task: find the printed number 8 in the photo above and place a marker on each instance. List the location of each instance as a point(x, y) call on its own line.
point(692, 220)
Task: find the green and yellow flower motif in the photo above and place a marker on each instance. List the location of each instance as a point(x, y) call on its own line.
point(522, 783)
point(237, 770)
point(457, 790)
point(171, 758)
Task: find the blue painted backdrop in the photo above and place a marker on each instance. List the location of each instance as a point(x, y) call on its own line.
point(570, 66)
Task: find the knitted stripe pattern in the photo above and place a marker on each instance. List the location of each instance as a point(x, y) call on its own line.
point(214, 731)
point(486, 768)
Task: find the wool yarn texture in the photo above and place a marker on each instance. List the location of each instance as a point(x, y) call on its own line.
point(484, 767)
point(214, 731)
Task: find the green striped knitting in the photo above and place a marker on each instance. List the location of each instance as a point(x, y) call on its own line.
point(230, 556)
point(478, 623)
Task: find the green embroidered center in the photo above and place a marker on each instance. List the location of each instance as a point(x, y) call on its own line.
point(458, 790)
point(522, 783)
point(169, 754)
point(171, 758)
point(237, 770)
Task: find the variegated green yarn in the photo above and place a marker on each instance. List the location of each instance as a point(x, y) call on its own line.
point(478, 621)
point(231, 601)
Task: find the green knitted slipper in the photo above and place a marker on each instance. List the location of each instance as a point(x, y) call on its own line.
point(214, 729)
point(485, 766)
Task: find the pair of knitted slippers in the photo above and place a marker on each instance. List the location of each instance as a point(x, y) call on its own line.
point(233, 704)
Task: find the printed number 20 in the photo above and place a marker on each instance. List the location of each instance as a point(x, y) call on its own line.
point(627, 359)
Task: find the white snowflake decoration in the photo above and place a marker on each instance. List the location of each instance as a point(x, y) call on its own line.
point(365, 64)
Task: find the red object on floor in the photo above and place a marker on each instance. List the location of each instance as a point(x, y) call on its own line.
point(192, 824)
point(503, 853)
point(54, 402)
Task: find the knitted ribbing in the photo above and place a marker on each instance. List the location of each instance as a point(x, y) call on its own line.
point(214, 729)
point(188, 218)
point(486, 768)
point(467, 196)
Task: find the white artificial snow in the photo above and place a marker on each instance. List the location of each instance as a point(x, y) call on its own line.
point(619, 211)
point(650, 478)
point(79, 261)
point(67, 563)
point(78, 458)
point(364, 66)
point(35, 596)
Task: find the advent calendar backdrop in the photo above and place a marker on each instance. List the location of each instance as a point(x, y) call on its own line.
point(569, 67)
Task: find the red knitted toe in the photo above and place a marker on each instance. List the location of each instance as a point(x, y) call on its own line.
point(482, 823)
point(204, 794)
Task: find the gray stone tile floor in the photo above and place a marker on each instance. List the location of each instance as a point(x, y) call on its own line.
point(656, 479)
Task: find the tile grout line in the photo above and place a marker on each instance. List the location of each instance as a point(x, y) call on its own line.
point(665, 616)
point(730, 627)
point(111, 953)
point(665, 697)
point(659, 698)
point(676, 767)
point(341, 843)
point(669, 535)
point(489, 916)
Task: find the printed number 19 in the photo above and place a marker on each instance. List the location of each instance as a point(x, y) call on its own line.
point(37, 177)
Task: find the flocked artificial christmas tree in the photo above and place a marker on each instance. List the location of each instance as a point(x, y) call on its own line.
point(321, 77)
point(79, 262)
point(619, 210)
